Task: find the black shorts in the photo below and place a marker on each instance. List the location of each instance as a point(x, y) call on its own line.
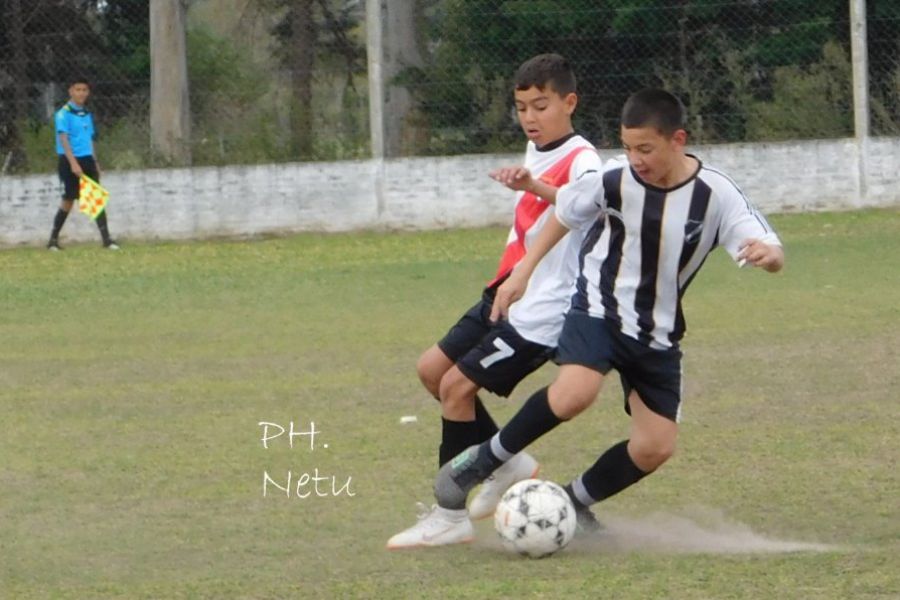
point(70, 181)
point(502, 358)
point(470, 328)
point(599, 344)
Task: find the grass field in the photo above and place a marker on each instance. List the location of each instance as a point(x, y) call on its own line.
point(132, 386)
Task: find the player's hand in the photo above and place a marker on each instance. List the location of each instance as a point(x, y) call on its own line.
point(515, 178)
point(76, 169)
point(511, 290)
point(759, 254)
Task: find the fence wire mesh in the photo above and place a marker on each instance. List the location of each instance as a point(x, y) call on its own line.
point(281, 80)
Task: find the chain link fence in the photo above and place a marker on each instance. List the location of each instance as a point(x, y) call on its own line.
point(284, 80)
point(883, 24)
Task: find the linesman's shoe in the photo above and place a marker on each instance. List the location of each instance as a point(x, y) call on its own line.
point(586, 523)
point(459, 475)
point(436, 527)
point(53, 245)
point(519, 467)
point(111, 245)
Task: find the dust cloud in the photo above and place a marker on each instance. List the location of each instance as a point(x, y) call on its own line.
point(694, 531)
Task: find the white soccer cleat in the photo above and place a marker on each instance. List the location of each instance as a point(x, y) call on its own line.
point(436, 527)
point(519, 467)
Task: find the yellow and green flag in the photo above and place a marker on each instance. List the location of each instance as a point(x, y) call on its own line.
point(92, 197)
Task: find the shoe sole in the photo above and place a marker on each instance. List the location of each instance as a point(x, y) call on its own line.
point(468, 540)
point(534, 474)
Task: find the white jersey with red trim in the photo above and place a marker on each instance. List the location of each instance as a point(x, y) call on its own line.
point(538, 316)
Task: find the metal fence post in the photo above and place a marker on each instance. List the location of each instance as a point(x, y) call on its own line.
point(375, 63)
point(374, 58)
point(860, 60)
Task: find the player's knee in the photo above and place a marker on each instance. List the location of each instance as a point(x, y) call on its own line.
point(454, 391)
point(429, 375)
point(573, 391)
point(649, 454)
point(568, 403)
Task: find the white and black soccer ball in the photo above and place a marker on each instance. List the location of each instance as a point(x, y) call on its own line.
point(535, 518)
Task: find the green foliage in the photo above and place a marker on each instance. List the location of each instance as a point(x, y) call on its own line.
point(38, 146)
point(808, 102)
point(126, 29)
point(232, 122)
point(465, 91)
point(240, 112)
point(883, 23)
point(730, 63)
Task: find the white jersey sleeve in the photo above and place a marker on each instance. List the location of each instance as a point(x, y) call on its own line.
point(741, 221)
point(580, 202)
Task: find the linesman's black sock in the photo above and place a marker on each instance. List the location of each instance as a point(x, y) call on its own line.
point(58, 221)
point(613, 472)
point(104, 230)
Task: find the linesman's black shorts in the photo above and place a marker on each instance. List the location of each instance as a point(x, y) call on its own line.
point(70, 181)
point(599, 344)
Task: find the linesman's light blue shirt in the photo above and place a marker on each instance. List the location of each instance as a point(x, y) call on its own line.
point(76, 122)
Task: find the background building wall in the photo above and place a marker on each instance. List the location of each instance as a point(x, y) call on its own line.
point(412, 193)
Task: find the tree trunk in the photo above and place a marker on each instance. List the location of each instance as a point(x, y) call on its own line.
point(170, 131)
point(303, 39)
point(402, 50)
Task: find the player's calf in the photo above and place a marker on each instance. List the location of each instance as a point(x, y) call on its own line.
point(458, 477)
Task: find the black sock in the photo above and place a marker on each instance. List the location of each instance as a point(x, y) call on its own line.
point(486, 425)
point(613, 472)
point(456, 436)
point(571, 493)
point(532, 421)
point(101, 225)
point(58, 221)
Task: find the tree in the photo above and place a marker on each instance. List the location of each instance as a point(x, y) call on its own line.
point(312, 32)
point(169, 99)
point(400, 22)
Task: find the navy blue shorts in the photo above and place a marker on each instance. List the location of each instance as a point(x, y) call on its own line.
point(599, 344)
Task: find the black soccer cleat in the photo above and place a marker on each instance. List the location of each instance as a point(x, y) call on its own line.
point(586, 523)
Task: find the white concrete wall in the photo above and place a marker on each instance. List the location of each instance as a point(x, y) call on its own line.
point(413, 193)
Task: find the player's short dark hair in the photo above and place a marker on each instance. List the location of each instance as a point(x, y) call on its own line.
point(79, 79)
point(654, 108)
point(546, 69)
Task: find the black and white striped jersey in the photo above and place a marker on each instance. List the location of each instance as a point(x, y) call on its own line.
point(647, 243)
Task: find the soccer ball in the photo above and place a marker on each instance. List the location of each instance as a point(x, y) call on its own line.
point(535, 518)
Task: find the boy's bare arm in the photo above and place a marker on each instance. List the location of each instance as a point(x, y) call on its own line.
point(73, 164)
point(515, 285)
point(760, 254)
point(520, 180)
